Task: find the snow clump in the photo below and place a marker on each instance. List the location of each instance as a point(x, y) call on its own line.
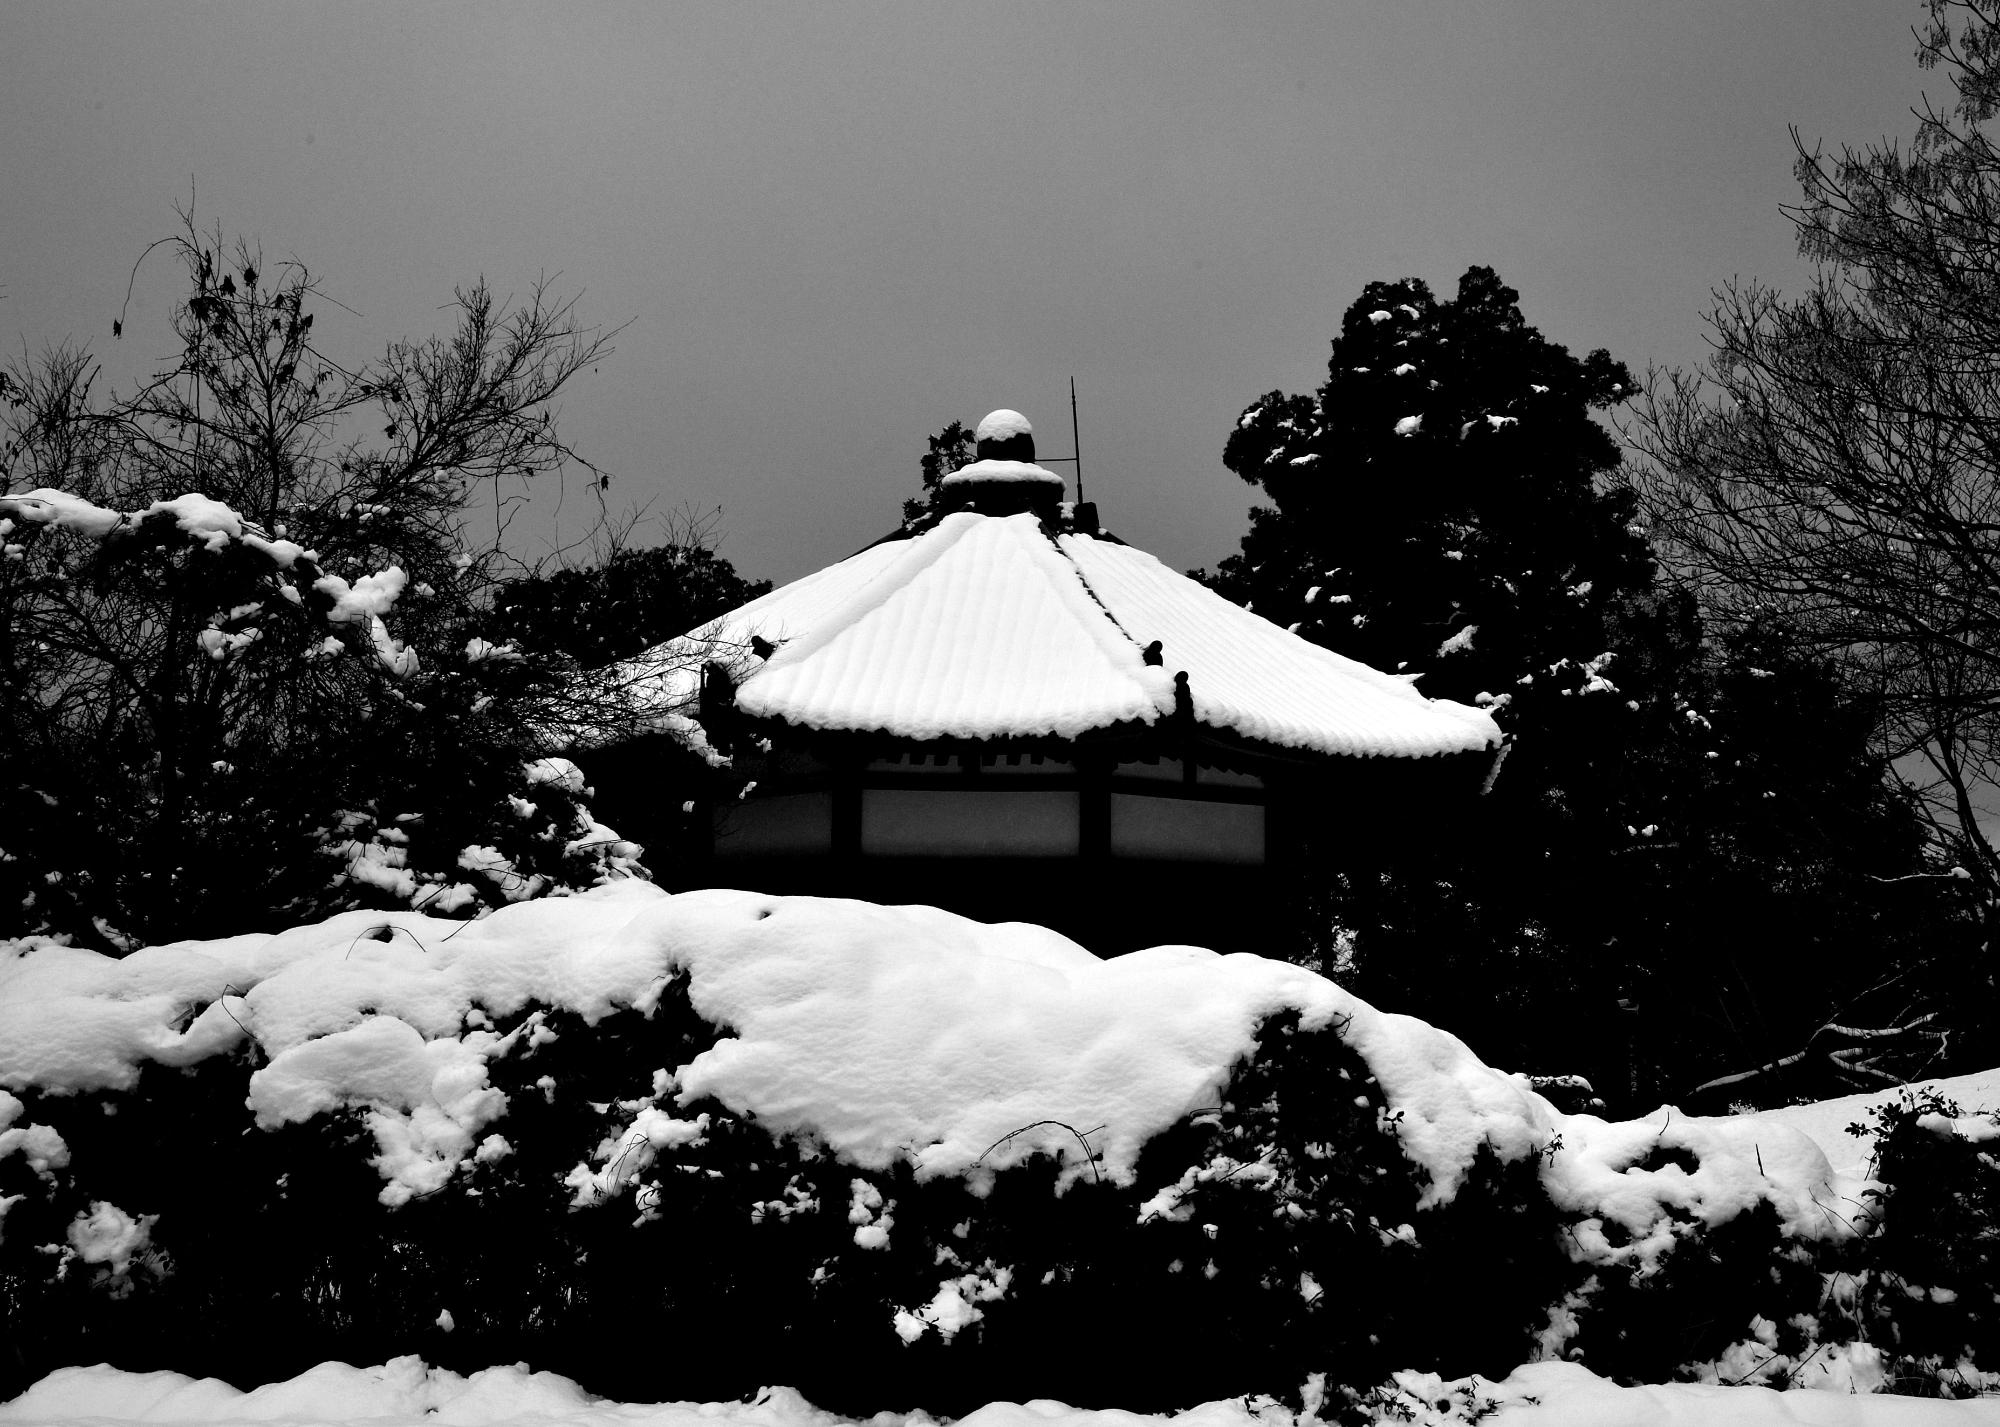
point(1002, 425)
point(891, 1034)
point(404, 1392)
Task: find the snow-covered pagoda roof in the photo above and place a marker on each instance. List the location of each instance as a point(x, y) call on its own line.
point(1028, 624)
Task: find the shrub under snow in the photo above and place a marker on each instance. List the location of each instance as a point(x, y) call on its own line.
point(892, 1156)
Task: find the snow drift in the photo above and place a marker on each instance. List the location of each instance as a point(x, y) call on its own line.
point(885, 1033)
point(403, 1393)
point(929, 1161)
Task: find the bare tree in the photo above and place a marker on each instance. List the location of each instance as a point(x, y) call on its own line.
point(1837, 465)
point(239, 605)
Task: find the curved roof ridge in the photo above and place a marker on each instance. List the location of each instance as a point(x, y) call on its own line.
point(925, 550)
point(1253, 678)
point(995, 626)
point(1083, 579)
point(1124, 653)
point(984, 628)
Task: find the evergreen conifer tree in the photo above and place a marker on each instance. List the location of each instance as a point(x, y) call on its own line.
point(1436, 507)
point(629, 600)
point(248, 668)
point(1835, 466)
point(948, 450)
point(1620, 902)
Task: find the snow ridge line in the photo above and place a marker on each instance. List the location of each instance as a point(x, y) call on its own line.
point(1162, 694)
point(874, 594)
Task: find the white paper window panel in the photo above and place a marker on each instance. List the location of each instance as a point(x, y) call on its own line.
point(1183, 829)
point(915, 822)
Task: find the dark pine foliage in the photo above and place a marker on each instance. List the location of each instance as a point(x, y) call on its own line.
point(629, 601)
point(1676, 819)
point(196, 728)
point(948, 450)
point(1277, 1234)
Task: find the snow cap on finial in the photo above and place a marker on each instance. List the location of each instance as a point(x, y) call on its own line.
point(1004, 478)
point(1005, 436)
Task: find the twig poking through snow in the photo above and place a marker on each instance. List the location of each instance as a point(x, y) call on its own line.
point(1090, 1155)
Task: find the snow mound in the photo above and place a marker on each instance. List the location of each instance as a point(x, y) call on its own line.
point(405, 1393)
point(402, 1389)
point(889, 1034)
point(1826, 1121)
point(1002, 425)
point(905, 1057)
point(1000, 470)
point(1653, 1177)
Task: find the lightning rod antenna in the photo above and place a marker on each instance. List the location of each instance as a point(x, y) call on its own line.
point(1075, 443)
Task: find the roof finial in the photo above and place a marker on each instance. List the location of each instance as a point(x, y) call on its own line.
point(1005, 436)
point(1004, 480)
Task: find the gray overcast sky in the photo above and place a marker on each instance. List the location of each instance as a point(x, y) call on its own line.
point(835, 227)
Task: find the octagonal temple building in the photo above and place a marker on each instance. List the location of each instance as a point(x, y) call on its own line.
point(1006, 711)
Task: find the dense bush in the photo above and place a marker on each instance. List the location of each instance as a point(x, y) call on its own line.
point(1907, 1305)
point(1928, 1283)
point(1263, 1242)
point(250, 672)
point(1446, 505)
point(1276, 1236)
point(542, 1191)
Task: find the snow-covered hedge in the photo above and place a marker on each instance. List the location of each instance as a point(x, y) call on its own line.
point(1925, 1288)
point(405, 1392)
point(285, 754)
point(896, 1157)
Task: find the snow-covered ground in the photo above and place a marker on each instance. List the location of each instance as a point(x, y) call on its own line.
point(889, 1035)
point(886, 1032)
point(1827, 1121)
point(404, 1393)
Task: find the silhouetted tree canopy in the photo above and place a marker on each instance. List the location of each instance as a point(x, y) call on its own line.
point(630, 600)
point(1676, 820)
point(948, 450)
point(248, 672)
point(1836, 467)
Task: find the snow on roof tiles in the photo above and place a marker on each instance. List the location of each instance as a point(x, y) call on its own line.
point(990, 472)
point(980, 628)
point(986, 627)
point(1247, 675)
